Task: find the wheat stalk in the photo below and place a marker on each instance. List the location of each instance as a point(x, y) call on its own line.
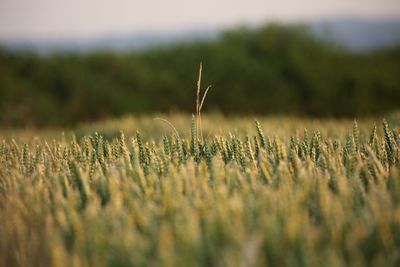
point(199, 104)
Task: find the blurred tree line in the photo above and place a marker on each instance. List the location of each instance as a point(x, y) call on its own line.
point(272, 69)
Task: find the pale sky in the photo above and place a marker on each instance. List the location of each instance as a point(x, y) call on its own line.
point(53, 19)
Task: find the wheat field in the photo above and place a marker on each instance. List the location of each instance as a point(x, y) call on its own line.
point(238, 192)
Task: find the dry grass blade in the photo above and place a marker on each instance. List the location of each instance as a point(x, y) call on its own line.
point(204, 97)
point(170, 124)
point(198, 98)
point(199, 104)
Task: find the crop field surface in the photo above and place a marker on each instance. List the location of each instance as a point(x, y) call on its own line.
point(240, 191)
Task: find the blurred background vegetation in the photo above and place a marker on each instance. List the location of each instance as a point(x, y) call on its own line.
point(269, 70)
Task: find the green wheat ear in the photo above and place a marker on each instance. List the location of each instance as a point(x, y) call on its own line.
point(373, 137)
point(193, 137)
point(142, 157)
point(390, 143)
point(356, 136)
point(167, 146)
point(81, 183)
point(261, 136)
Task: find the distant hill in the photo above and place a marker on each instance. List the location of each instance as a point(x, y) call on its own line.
point(356, 35)
point(114, 42)
point(359, 35)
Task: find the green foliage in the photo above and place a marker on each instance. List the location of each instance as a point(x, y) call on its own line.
point(272, 69)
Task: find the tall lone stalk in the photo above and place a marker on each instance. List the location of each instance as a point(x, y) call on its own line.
point(199, 104)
